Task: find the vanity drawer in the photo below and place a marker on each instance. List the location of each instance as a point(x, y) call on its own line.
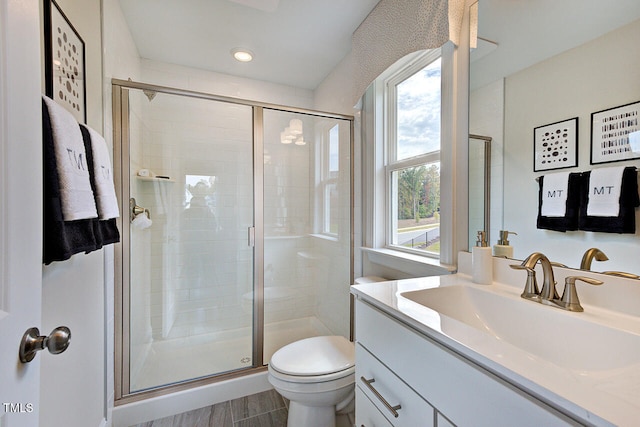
point(367, 415)
point(404, 407)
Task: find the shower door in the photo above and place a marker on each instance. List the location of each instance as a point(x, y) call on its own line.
point(191, 260)
point(238, 237)
point(307, 227)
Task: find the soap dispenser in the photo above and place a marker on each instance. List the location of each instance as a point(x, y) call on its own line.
point(503, 248)
point(481, 261)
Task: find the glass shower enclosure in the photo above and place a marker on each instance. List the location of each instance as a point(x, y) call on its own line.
point(238, 236)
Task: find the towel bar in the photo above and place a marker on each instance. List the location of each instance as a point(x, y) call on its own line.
point(538, 178)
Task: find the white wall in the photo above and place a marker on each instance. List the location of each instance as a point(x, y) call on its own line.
point(73, 291)
point(177, 76)
point(601, 74)
point(335, 93)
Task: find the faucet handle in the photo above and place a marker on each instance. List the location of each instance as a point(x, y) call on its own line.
point(559, 264)
point(589, 280)
point(531, 290)
point(622, 274)
point(570, 299)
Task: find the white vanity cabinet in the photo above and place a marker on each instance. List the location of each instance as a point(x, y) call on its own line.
point(392, 396)
point(367, 415)
point(432, 385)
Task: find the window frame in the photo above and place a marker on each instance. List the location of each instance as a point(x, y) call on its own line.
point(390, 162)
point(325, 179)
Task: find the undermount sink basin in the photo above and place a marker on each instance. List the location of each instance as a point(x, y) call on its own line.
point(575, 341)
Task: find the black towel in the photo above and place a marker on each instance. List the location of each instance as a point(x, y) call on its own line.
point(568, 222)
point(625, 222)
point(61, 239)
point(105, 231)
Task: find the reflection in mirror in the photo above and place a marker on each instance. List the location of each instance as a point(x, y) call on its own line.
point(483, 159)
point(531, 69)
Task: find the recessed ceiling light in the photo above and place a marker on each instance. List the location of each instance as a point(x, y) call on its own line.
point(242, 55)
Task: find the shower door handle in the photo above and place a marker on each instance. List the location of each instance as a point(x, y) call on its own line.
point(251, 236)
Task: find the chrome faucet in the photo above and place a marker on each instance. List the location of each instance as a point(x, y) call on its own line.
point(588, 257)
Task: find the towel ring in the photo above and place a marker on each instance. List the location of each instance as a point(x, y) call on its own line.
point(135, 210)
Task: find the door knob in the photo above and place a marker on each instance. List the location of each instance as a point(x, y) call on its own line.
point(32, 342)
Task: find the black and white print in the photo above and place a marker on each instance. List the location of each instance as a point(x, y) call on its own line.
point(65, 62)
point(555, 145)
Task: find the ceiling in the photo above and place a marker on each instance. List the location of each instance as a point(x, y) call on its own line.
point(527, 32)
point(295, 42)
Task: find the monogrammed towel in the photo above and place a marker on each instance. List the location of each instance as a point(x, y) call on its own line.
point(105, 193)
point(554, 194)
point(605, 186)
point(77, 199)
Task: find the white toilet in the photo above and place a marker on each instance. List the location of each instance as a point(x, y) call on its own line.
point(317, 375)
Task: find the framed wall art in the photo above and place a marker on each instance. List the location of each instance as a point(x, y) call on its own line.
point(555, 146)
point(64, 62)
point(615, 134)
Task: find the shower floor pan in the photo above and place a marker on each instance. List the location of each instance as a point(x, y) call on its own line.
point(181, 359)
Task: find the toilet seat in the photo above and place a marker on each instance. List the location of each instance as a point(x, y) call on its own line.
point(301, 379)
point(317, 375)
point(314, 360)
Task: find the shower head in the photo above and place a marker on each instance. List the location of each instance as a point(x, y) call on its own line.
point(149, 93)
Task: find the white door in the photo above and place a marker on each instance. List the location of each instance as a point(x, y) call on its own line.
point(20, 207)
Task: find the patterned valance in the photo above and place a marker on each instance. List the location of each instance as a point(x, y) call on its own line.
point(395, 28)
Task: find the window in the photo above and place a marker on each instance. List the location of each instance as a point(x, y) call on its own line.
point(329, 181)
point(412, 166)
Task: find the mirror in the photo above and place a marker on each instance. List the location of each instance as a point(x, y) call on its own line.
point(541, 62)
point(481, 155)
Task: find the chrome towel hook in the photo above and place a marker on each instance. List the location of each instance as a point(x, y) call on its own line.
point(135, 210)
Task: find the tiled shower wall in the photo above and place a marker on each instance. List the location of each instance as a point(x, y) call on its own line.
point(200, 263)
point(193, 270)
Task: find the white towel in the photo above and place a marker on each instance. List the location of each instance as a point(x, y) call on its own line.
point(605, 186)
point(554, 194)
point(76, 196)
point(106, 200)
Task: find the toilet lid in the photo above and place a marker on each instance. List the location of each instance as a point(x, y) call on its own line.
point(314, 356)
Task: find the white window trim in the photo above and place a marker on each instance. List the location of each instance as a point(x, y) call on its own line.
point(389, 83)
point(375, 214)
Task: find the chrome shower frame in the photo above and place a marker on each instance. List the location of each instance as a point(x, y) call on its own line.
point(121, 146)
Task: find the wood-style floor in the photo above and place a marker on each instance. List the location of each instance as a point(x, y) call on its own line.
point(267, 409)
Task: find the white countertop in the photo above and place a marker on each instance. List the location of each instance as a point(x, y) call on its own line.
point(602, 398)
